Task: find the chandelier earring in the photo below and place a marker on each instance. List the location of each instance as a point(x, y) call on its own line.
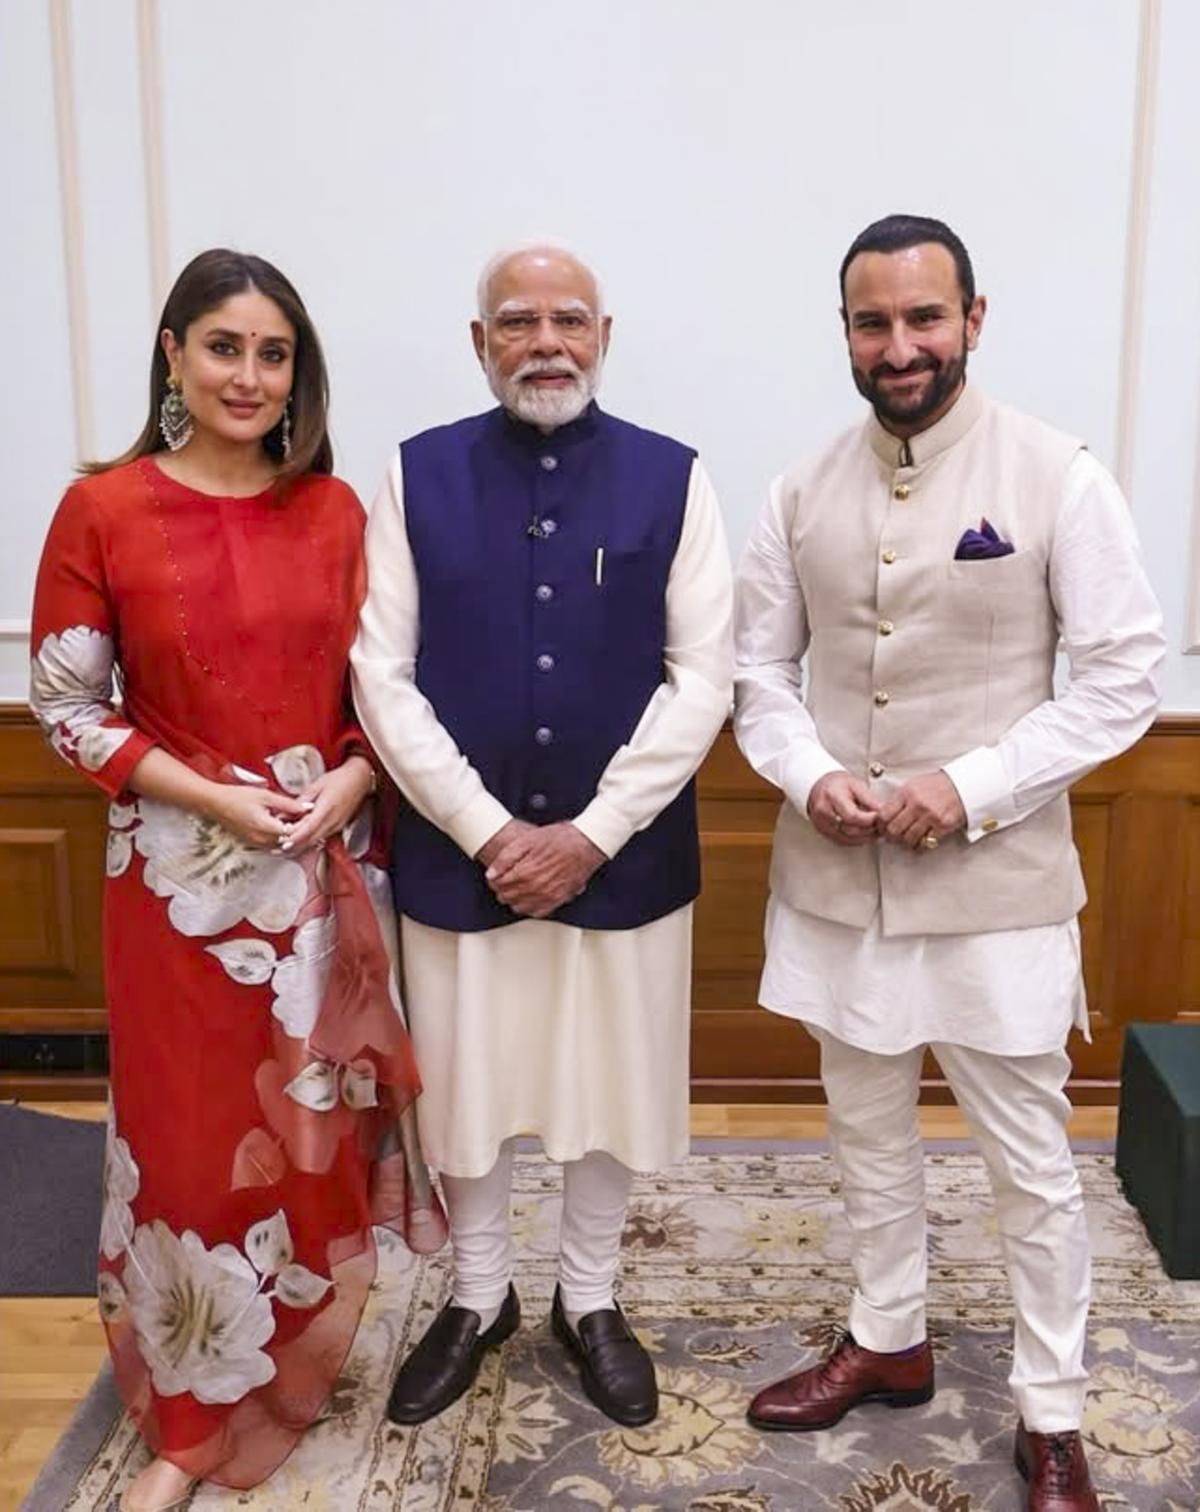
point(285, 430)
point(174, 417)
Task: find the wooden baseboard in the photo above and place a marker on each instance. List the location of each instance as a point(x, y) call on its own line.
point(66, 1087)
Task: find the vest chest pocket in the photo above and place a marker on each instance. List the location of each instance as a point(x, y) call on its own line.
point(630, 592)
point(623, 576)
point(1019, 572)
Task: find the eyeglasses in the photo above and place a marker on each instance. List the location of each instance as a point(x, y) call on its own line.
point(516, 325)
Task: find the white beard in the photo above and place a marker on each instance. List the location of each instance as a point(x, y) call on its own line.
point(545, 408)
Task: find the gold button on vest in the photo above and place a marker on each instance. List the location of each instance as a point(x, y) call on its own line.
point(901, 491)
point(881, 698)
point(876, 769)
point(888, 558)
point(886, 627)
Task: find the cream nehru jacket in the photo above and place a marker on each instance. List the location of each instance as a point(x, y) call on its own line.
point(916, 658)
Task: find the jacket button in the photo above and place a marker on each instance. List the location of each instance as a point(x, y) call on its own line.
point(543, 734)
point(543, 593)
point(545, 662)
point(549, 527)
point(886, 627)
point(888, 558)
point(881, 698)
point(876, 769)
point(538, 801)
point(549, 463)
point(901, 491)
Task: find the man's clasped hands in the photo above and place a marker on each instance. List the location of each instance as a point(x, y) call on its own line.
point(535, 869)
point(920, 814)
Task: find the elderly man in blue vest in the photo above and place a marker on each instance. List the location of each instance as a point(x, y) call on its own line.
point(924, 885)
point(544, 658)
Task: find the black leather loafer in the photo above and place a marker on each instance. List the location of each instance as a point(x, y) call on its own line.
point(446, 1361)
point(614, 1369)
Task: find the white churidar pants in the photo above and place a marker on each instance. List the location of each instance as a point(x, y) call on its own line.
point(1017, 1111)
point(595, 1196)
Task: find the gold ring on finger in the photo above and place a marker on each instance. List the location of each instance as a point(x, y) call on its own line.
point(930, 842)
point(838, 820)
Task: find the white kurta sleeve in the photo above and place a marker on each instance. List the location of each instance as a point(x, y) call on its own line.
point(1112, 633)
point(399, 721)
point(775, 731)
point(682, 718)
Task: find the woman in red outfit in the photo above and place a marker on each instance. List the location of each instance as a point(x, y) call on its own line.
point(261, 1071)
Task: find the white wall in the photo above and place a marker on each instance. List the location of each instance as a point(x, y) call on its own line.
point(713, 159)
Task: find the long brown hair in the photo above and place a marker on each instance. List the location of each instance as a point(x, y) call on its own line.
point(208, 281)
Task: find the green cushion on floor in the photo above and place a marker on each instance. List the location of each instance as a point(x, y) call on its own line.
point(1158, 1139)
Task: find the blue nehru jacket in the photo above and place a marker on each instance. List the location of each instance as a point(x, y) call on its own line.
point(542, 565)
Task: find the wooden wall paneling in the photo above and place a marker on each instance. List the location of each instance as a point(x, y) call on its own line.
point(37, 933)
point(1189, 1007)
point(740, 1053)
point(51, 879)
point(1137, 825)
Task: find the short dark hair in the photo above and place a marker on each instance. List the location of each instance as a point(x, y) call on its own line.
point(208, 281)
point(896, 232)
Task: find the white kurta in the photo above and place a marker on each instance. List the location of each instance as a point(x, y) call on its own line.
point(577, 1036)
point(1007, 992)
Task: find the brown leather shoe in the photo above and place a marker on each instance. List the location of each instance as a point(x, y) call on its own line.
point(1056, 1469)
point(823, 1395)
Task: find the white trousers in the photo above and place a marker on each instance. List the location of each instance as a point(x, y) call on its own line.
point(1017, 1111)
point(595, 1197)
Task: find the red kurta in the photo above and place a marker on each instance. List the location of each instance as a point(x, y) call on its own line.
point(260, 1065)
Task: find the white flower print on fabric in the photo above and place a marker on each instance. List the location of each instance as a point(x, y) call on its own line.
point(200, 1316)
point(70, 692)
point(249, 962)
point(297, 767)
point(300, 979)
point(118, 853)
point(111, 1298)
point(99, 744)
point(322, 1083)
point(213, 880)
point(203, 1316)
point(122, 1179)
point(269, 1246)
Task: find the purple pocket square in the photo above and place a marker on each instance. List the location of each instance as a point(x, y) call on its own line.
point(981, 545)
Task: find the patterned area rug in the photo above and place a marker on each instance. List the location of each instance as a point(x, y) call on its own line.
point(735, 1269)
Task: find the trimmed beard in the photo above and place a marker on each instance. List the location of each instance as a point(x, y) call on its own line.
point(946, 378)
point(545, 408)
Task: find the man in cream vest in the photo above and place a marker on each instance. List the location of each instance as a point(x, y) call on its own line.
point(924, 883)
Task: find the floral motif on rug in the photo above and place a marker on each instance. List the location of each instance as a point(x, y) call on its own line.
point(735, 1271)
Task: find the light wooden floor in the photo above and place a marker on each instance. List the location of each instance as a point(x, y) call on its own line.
point(51, 1347)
